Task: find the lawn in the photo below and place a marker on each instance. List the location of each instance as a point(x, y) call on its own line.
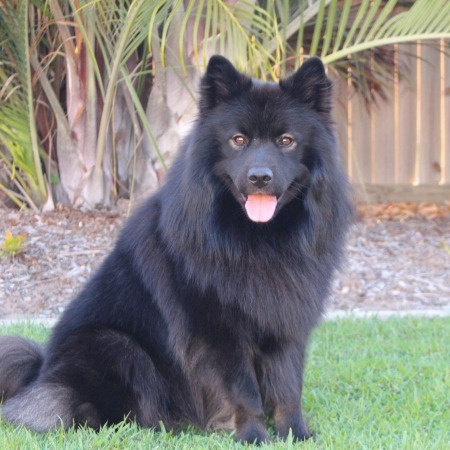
point(370, 384)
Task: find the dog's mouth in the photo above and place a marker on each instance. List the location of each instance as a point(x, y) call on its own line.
point(260, 207)
point(263, 206)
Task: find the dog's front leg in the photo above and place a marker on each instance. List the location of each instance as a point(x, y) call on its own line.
point(226, 390)
point(280, 376)
point(249, 414)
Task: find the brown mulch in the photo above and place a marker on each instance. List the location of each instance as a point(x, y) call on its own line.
point(404, 211)
point(398, 258)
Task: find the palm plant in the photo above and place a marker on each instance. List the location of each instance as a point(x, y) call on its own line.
point(114, 83)
point(18, 135)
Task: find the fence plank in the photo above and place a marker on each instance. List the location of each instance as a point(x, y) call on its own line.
point(445, 59)
point(407, 118)
point(361, 141)
point(341, 117)
point(429, 136)
point(383, 138)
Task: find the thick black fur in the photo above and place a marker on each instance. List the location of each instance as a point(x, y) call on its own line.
point(200, 315)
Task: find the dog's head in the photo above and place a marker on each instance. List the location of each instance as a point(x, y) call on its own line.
point(267, 135)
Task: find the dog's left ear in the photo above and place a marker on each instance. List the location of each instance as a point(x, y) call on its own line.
point(310, 85)
point(221, 82)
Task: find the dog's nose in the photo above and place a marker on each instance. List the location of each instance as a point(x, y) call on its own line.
point(260, 176)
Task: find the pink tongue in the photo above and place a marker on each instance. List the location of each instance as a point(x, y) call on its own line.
point(260, 208)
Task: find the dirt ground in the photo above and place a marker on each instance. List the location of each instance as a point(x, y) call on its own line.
point(398, 258)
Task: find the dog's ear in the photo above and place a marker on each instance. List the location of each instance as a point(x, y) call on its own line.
point(310, 85)
point(221, 82)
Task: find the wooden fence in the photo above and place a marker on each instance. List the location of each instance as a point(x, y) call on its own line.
point(399, 149)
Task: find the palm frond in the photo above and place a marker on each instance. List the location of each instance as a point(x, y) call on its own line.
point(376, 25)
point(240, 30)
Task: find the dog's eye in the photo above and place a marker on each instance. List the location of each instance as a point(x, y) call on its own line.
point(239, 140)
point(286, 141)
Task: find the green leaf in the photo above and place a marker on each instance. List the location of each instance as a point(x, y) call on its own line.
point(13, 245)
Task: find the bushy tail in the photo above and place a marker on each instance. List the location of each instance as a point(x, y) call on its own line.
point(20, 361)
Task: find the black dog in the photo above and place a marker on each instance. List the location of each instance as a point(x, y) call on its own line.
point(202, 312)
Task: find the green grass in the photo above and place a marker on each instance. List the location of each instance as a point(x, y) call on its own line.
point(369, 384)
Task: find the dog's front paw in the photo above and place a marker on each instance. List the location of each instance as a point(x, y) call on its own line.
point(290, 420)
point(252, 432)
point(299, 431)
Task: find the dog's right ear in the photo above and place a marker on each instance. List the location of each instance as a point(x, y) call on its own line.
point(221, 82)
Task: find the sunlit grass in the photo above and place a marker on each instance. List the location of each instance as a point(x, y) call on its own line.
point(370, 384)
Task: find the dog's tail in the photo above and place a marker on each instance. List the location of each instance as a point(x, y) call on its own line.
point(20, 362)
